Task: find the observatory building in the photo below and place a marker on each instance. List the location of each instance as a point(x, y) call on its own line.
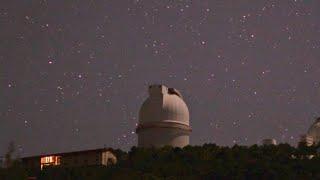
point(313, 134)
point(163, 119)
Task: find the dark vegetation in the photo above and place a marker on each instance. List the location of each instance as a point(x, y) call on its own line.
point(193, 162)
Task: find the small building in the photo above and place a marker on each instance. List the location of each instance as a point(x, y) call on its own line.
point(93, 157)
point(269, 142)
point(314, 132)
point(306, 140)
point(312, 137)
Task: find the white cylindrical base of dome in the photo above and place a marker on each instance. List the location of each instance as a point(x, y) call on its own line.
point(159, 137)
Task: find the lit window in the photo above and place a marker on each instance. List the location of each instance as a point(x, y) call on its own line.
point(50, 161)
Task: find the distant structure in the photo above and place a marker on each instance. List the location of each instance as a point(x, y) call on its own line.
point(163, 119)
point(306, 140)
point(269, 142)
point(94, 157)
point(313, 134)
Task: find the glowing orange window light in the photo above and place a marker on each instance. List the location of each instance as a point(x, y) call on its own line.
point(50, 161)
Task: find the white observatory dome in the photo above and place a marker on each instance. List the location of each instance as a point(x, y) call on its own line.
point(164, 105)
point(314, 131)
point(163, 119)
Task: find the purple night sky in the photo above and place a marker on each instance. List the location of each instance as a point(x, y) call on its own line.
point(73, 74)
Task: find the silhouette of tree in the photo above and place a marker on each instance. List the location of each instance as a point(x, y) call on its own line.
point(13, 169)
point(202, 162)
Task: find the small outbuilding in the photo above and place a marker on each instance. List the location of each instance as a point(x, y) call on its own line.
point(93, 157)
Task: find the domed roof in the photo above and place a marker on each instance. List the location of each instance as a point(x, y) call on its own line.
point(314, 131)
point(164, 105)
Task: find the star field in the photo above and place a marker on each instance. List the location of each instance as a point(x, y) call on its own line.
point(74, 74)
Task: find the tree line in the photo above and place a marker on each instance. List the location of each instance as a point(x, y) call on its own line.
point(208, 161)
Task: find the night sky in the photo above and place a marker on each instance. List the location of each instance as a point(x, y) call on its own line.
point(73, 74)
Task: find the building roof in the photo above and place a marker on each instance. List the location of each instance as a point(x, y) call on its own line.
point(73, 152)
